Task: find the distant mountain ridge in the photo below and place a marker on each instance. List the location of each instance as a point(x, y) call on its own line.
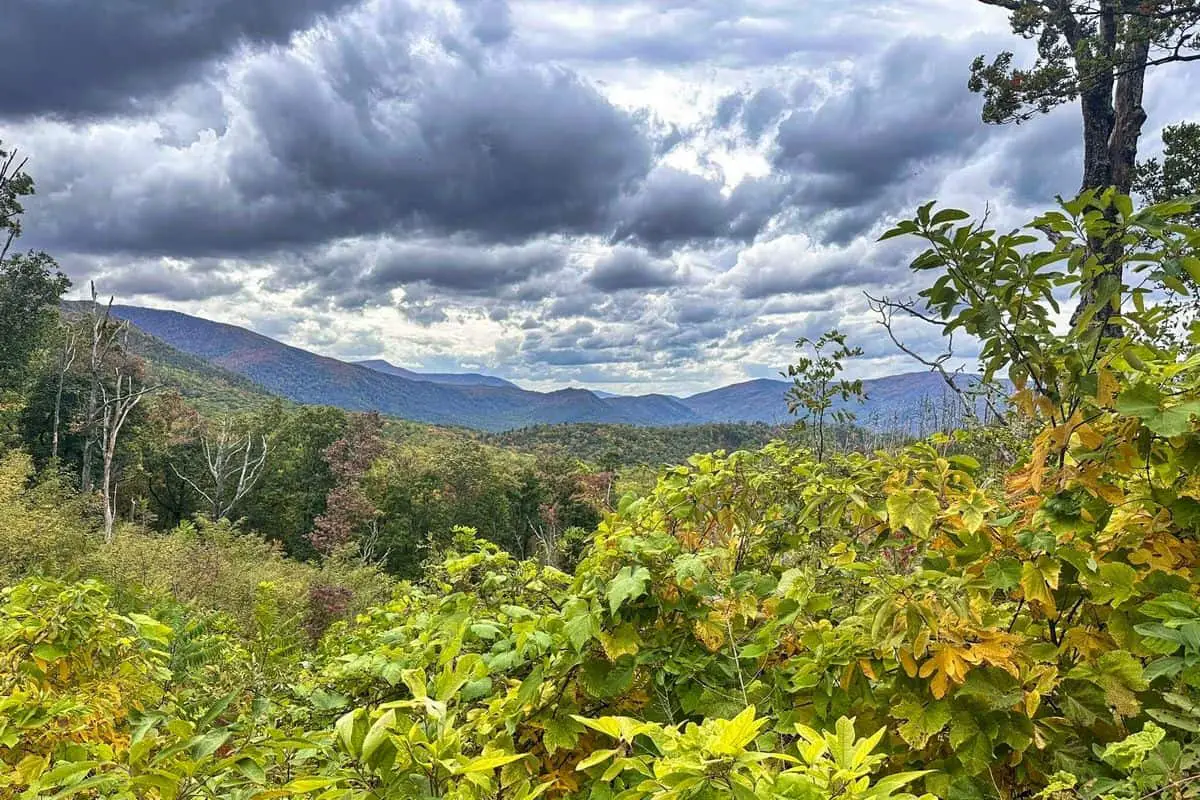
point(448, 378)
point(487, 402)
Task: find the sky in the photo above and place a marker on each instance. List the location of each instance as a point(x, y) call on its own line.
point(629, 195)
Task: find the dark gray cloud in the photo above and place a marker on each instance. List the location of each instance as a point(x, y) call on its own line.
point(814, 275)
point(903, 121)
point(629, 191)
point(504, 155)
point(359, 273)
point(490, 21)
point(78, 57)
point(626, 268)
point(153, 280)
point(753, 111)
point(673, 207)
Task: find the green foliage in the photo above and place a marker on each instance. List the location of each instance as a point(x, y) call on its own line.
point(1082, 45)
point(30, 286)
point(760, 624)
point(815, 385)
point(611, 448)
point(1177, 174)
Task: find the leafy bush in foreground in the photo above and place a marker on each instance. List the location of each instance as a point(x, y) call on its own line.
point(761, 625)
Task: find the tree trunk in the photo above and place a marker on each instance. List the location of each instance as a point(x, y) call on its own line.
point(89, 440)
point(57, 418)
point(110, 512)
point(1113, 116)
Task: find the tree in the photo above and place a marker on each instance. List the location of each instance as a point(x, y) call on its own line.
point(233, 464)
point(296, 479)
point(30, 283)
point(348, 509)
point(1097, 52)
point(1176, 177)
point(116, 403)
point(815, 385)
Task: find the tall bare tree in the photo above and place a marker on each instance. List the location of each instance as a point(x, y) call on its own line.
point(104, 332)
point(233, 464)
point(66, 358)
point(117, 402)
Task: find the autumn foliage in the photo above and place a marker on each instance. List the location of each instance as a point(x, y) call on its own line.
point(950, 619)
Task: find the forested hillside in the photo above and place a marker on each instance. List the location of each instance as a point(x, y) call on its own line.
point(226, 575)
point(913, 403)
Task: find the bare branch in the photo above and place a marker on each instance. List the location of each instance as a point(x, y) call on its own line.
point(886, 308)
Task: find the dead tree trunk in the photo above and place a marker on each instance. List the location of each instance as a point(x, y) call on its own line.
point(233, 468)
point(65, 360)
point(104, 337)
point(114, 411)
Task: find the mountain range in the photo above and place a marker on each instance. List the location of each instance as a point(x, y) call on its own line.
point(486, 402)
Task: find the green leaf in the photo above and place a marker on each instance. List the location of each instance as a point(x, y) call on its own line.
point(1113, 585)
point(738, 732)
point(204, 746)
point(1003, 573)
point(252, 770)
point(1131, 751)
point(530, 687)
point(628, 584)
point(378, 734)
point(914, 510)
point(491, 763)
point(1147, 402)
point(598, 757)
point(216, 709)
point(64, 773)
point(1175, 719)
point(581, 627)
point(305, 785)
point(921, 720)
point(949, 215)
point(560, 733)
point(48, 652)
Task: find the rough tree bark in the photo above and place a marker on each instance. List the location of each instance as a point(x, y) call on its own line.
point(1097, 52)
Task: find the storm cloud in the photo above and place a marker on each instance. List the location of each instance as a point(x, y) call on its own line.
point(80, 57)
point(640, 195)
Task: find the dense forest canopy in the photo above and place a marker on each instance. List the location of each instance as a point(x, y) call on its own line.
point(207, 592)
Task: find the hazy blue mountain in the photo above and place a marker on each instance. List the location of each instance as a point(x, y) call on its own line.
point(898, 402)
point(305, 377)
point(447, 378)
point(488, 403)
point(653, 409)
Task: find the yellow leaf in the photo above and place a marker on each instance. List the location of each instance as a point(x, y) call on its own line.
point(907, 662)
point(847, 676)
point(736, 734)
point(945, 665)
point(1107, 388)
point(1038, 580)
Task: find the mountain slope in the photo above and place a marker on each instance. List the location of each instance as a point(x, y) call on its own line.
point(309, 378)
point(447, 378)
point(908, 402)
point(901, 402)
point(210, 388)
